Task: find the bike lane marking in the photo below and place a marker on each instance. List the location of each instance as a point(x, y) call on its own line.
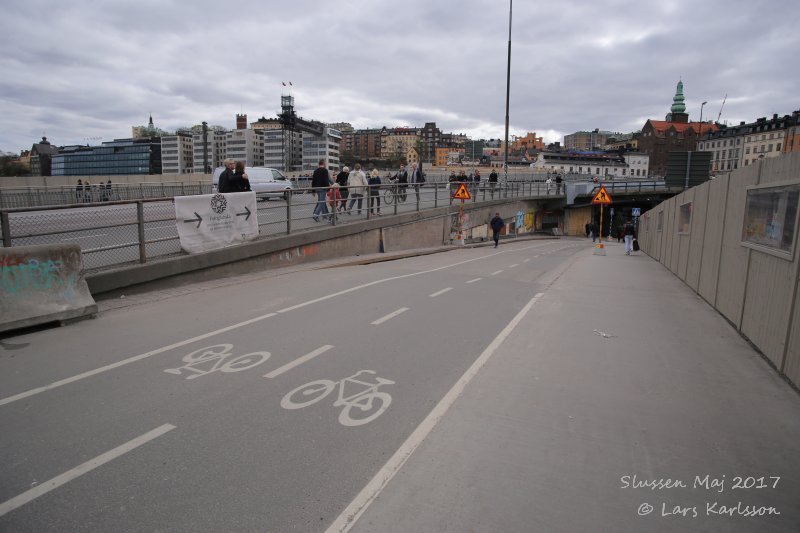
point(473, 280)
point(347, 519)
point(496, 272)
point(389, 316)
point(133, 359)
point(129, 360)
point(299, 361)
point(88, 466)
point(437, 293)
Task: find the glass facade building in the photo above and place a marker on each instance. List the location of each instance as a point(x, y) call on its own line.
point(118, 157)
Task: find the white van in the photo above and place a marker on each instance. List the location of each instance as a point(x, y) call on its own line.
point(264, 181)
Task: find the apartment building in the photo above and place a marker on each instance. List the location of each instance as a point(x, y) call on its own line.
point(586, 141)
point(325, 146)
point(733, 147)
point(765, 137)
point(177, 153)
point(396, 142)
point(245, 145)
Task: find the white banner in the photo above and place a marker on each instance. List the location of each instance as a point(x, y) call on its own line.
point(211, 221)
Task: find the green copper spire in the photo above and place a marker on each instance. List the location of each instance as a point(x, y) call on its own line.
point(677, 103)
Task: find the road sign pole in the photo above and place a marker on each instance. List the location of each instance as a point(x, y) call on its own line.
point(600, 231)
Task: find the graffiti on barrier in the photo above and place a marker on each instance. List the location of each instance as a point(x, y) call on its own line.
point(20, 274)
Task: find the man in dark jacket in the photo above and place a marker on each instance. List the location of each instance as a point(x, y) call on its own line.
point(493, 181)
point(227, 177)
point(496, 224)
point(402, 183)
point(320, 181)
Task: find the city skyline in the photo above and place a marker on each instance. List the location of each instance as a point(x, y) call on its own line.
point(82, 74)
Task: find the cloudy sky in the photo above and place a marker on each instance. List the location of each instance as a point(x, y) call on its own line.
point(83, 71)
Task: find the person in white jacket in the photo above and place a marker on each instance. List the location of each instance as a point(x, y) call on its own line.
point(357, 185)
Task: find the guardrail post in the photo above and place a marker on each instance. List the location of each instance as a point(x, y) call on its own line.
point(289, 196)
point(436, 195)
point(396, 197)
point(4, 220)
point(140, 225)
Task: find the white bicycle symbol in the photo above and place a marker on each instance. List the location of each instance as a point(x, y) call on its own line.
point(217, 358)
point(365, 396)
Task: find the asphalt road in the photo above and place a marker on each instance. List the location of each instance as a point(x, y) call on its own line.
point(264, 405)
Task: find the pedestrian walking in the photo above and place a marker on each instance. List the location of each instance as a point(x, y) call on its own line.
point(629, 233)
point(357, 184)
point(496, 224)
point(341, 179)
point(588, 229)
point(417, 178)
point(476, 181)
point(334, 197)
point(549, 184)
point(87, 192)
point(320, 181)
point(559, 180)
point(79, 192)
point(402, 183)
point(374, 192)
point(492, 181)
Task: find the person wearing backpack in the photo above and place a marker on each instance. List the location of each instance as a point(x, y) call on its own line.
point(629, 234)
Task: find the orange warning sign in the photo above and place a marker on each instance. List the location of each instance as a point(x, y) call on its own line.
point(462, 193)
point(602, 196)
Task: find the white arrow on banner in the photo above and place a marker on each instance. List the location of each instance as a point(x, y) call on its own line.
point(211, 221)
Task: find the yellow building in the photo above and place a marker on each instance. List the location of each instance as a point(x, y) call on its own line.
point(412, 156)
point(448, 156)
point(397, 141)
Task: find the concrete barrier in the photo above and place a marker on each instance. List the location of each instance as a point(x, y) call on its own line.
point(40, 284)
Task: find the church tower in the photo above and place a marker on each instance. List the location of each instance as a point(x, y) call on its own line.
point(677, 113)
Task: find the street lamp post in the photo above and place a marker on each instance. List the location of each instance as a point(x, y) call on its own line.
point(508, 89)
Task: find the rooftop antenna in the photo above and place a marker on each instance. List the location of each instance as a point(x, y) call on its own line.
point(723, 105)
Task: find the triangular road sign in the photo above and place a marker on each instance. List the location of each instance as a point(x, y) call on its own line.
point(462, 193)
point(602, 196)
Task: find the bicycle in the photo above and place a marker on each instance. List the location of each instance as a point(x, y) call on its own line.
point(394, 193)
point(219, 353)
point(315, 391)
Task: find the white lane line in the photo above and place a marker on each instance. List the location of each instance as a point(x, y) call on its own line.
point(473, 280)
point(496, 272)
point(128, 361)
point(389, 316)
point(526, 260)
point(437, 293)
point(353, 512)
point(514, 265)
point(88, 466)
point(299, 361)
point(135, 358)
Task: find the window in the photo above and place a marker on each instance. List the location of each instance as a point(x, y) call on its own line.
point(769, 149)
point(685, 218)
point(778, 147)
point(770, 218)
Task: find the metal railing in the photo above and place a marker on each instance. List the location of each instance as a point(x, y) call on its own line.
point(120, 232)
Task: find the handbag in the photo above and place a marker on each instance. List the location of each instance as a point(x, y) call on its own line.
point(635, 245)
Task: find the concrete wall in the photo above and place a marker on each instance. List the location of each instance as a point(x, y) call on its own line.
point(40, 284)
point(755, 290)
